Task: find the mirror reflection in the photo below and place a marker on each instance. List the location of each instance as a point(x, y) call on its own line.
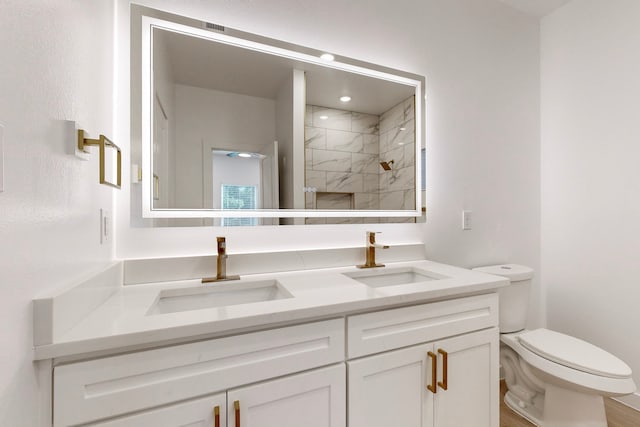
point(246, 130)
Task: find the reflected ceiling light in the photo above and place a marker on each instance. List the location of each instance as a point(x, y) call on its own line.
point(238, 154)
point(323, 117)
point(327, 57)
point(345, 98)
point(403, 128)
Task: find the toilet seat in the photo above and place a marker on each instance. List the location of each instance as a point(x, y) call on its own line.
point(574, 353)
point(552, 371)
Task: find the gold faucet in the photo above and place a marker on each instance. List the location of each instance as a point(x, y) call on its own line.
point(221, 264)
point(371, 251)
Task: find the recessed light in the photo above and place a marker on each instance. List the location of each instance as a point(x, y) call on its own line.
point(245, 155)
point(323, 117)
point(327, 57)
point(345, 98)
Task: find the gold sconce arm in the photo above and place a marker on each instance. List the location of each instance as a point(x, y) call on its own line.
point(103, 142)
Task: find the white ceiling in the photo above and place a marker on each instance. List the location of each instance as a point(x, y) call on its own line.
point(538, 8)
point(202, 63)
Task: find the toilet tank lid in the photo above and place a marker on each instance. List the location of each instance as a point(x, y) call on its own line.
point(513, 272)
point(574, 353)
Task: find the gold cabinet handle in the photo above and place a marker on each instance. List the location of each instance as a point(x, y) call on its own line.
point(445, 369)
point(434, 372)
point(236, 406)
point(216, 416)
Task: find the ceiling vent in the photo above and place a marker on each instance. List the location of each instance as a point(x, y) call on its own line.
point(214, 27)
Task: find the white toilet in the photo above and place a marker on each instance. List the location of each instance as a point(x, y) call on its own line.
point(553, 380)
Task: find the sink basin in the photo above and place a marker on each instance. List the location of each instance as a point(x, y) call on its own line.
point(217, 295)
point(380, 277)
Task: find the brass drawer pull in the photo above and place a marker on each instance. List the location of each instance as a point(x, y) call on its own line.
point(445, 369)
point(434, 372)
point(236, 406)
point(216, 416)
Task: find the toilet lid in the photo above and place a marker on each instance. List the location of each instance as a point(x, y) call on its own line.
point(574, 353)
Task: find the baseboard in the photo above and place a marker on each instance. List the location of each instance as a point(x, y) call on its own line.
point(631, 400)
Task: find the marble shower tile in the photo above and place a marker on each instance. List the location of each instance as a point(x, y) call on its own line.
point(315, 138)
point(345, 182)
point(364, 163)
point(309, 200)
point(366, 201)
point(409, 154)
point(316, 179)
point(333, 161)
point(338, 140)
point(392, 118)
point(397, 137)
point(409, 199)
point(402, 179)
point(408, 108)
point(308, 159)
point(391, 200)
point(397, 155)
point(371, 143)
point(308, 115)
point(364, 123)
point(336, 119)
point(371, 183)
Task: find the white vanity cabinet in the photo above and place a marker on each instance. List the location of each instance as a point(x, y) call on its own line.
point(378, 363)
point(209, 411)
point(311, 399)
point(95, 390)
point(448, 382)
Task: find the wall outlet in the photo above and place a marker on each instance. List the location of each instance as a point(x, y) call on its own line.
point(466, 220)
point(105, 226)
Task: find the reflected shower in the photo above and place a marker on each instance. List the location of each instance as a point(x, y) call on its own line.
point(386, 165)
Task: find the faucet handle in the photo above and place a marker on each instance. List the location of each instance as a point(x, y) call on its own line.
point(222, 246)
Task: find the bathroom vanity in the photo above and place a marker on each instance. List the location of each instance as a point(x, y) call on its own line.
point(408, 344)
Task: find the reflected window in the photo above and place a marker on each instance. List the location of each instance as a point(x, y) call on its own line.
point(239, 197)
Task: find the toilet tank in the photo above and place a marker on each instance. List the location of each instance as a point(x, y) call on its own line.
point(514, 299)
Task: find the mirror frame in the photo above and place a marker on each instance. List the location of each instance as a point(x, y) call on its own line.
point(283, 49)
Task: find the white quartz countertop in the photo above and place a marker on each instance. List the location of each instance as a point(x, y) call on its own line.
point(126, 320)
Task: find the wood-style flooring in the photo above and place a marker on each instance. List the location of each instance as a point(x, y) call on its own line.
point(618, 415)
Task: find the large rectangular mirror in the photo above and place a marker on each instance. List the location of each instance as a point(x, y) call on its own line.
point(248, 130)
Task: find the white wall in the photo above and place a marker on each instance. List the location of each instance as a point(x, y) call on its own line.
point(481, 62)
point(164, 145)
point(591, 175)
point(215, 120)
point(56, 63)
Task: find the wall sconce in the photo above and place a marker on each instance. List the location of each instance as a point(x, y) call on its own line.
point(110, 156)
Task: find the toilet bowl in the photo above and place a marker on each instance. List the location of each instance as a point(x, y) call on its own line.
point(553, 380)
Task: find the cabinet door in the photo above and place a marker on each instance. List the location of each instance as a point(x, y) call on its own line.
point(210, 411)
point(390, 389)
point(312, 399)
point(472, 385)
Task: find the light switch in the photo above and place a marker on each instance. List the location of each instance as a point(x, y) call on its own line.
point(1, 157)
point(105, 226)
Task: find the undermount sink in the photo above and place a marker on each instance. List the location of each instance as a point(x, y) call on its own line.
point(217, 295)
point(380, 277)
